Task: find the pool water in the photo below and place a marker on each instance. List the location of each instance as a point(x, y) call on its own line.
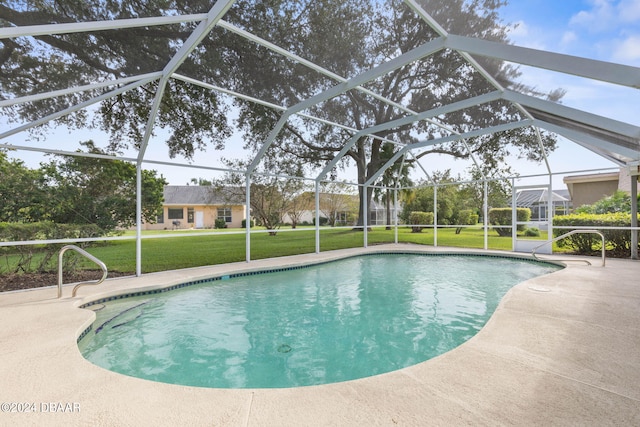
point(327, 323)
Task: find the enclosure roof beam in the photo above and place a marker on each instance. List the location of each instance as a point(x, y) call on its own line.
point(112, 157)
point(257, 101)
point(472, 134)
point(77, 107)
point(92, 26)
point(445, 109)
point(600, 146)
point(413, 55)
point(624, 75)
point(386, 166)
point(84, 88)
point(471, 60)
point(413, 4)
point(214, 15)
point(573, 114)
point(454, 106)
point(315, 67)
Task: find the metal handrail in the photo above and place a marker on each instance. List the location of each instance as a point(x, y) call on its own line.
point(533, 251)
point(86, 255)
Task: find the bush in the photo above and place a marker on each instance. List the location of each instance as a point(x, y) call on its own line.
point(466, 217)
point(420, 219)
point(502, 216)
point(220, 223)
point(618, 241)
point(45, 230)
point(532, 232)
point(244, 223)
point(323, 221)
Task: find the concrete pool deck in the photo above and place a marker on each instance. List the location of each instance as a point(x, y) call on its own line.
point(561, 349)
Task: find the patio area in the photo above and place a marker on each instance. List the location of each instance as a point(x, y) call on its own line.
point(561, 349)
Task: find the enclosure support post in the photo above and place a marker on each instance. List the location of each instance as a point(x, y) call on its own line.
point(247, 215)
point(365, 216)
point(550, 212)
point(485, 216)
point(395, 210)
point(317, 216)
point(435, 216)
point(634, 217)
point(138, 219)
point(514, 215)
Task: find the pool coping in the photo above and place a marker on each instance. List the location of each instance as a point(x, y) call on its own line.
point(560, 349)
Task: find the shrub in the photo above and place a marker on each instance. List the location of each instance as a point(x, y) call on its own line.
point(466, 217)
point(502, 216)
point(244, 223)
point(45, 230)
point(618, 242)
point(220, 223)
point(419, 219)
point(323, 221)
point(532, 232)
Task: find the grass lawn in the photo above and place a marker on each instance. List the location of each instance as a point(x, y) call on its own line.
point(175, 252)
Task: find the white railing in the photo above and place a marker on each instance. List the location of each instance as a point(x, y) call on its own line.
point(86, 255)
point(533, 251)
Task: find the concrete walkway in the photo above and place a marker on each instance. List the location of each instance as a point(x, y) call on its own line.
point(562, 349)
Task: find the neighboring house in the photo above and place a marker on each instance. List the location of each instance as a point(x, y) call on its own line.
point(347, 213)
point(537, 201)
point(194, 206)
point(588, 189)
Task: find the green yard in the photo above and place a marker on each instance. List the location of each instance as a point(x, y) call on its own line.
point(162, 251)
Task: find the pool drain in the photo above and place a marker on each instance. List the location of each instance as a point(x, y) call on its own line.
point(284, 348)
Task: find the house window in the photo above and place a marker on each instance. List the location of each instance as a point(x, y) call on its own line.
point(224, 213)
point(175, 213)
point(190, 215)
point(160, 217)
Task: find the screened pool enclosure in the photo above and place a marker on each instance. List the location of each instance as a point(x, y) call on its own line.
point(360, 93)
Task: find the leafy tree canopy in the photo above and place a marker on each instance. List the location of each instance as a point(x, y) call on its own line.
point(78, 190)
point(620, 201)
point(22, 194)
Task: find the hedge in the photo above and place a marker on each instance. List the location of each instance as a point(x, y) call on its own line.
point(419, 219)
point(502, 216)
point(618, 242)
point(46, 230)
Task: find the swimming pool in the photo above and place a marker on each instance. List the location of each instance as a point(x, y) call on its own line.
point(320, 324)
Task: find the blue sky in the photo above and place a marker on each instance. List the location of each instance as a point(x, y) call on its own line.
point(607, 30)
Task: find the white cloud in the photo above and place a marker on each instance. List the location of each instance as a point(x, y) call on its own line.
point(629, 11)
point(568, 38)
point(628, 51)
point(601, 17)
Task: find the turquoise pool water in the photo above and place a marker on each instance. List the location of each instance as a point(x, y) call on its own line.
point(327, 323)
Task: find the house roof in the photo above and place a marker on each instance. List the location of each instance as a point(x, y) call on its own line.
point(196, 195)
point(596, 177)
point(526, 198)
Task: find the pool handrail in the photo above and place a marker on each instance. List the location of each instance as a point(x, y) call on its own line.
point(87, 255)
point(569, 233)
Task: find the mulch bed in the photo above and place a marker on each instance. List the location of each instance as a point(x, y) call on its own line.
point(12, 282)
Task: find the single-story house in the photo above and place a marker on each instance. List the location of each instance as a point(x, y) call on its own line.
point(194, 206)
point(588, 189)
